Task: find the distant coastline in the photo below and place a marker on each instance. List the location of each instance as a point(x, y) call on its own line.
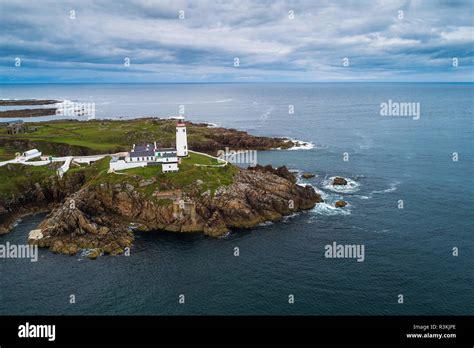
point(26, 113)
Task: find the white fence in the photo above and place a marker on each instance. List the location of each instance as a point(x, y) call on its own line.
point(65, 167)
point(121, 165)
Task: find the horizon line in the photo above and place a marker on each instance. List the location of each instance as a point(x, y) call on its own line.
point(229, 82)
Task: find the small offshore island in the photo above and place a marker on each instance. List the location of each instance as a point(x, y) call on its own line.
point(22, 113)
point(91, 208)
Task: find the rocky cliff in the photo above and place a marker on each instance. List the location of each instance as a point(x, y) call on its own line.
point(100, 216)
point(36, 195)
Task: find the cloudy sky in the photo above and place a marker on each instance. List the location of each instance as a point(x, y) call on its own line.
point(91, 41)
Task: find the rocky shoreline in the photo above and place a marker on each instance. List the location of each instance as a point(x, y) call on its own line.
point(26, 113)
point(14, 102)
point(99, 217)
point(92, 210)
point(202, 138)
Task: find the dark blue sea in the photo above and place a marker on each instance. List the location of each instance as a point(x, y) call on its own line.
point(428, 163)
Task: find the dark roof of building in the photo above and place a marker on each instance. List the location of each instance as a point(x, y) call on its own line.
point(143, 147)
point(168, 155)
point(142, 153)
point(166, 149)
point(150, 154)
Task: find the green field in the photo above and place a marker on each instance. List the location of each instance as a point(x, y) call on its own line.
point(106, 136)
point(5, 155)
point(102, 136)
point(186, 179)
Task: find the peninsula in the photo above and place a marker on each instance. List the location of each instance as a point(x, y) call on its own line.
point(93, 207)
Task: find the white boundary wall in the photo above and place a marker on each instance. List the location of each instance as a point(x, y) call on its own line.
point(65, 167)
point(121, 165)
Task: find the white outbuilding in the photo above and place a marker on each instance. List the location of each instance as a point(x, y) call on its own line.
point(30, 154)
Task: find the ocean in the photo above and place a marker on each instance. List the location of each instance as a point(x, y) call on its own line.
point(410, 198)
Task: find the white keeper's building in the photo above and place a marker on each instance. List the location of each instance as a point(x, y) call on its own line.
point(142, 155)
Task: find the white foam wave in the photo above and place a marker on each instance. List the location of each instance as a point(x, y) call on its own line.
point(301, 145)
point(329, 209)
point(302, 182)
point(392, 187)
point(363, 197)
point(289, 217)
point(351, 186)
point(264, 116)
point(228, 100)
point(382, 231)
point(226, 235)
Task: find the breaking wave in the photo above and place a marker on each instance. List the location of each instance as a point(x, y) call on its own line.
point(392, 187)
point(328, 209)
point(301, 145)
point(265, 223)
point(228, 100)
point(351, 187)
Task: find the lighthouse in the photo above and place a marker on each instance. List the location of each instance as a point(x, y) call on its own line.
point(181, 138)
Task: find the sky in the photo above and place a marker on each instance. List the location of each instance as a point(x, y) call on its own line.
point(174, 41)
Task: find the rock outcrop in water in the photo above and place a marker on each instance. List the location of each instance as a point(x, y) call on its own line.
point(280, 171)
point(99, 216)
point(339, 181)
point(340, 204)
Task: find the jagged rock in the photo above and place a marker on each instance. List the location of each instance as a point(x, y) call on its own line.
point(339, 181)
point(37, 197)
point(144, 183)
point(101, 216)
point(308, 175)
point(129, 187)
point(94, 253)
point(340, 204)
point(35, 235)
point(280, 171)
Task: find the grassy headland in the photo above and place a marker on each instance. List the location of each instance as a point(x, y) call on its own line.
point(70, 137)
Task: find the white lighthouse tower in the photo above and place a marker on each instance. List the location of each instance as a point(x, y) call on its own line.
point(181, 138)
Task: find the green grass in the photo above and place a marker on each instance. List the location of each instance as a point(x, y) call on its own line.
point(185, 179)
point(92, 171)
point(16, 177)
point(105, 135)
point(5, 155)
point(195, 158)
